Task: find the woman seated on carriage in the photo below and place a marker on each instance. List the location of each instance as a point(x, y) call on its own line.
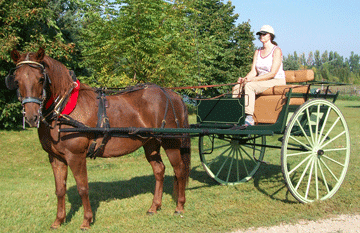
point(266, 71)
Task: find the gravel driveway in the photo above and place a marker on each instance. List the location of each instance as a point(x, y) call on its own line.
point(341, 223)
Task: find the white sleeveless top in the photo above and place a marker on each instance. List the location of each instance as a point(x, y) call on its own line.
point(263, 64)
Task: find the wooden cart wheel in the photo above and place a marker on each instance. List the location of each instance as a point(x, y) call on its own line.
point(230, 159)
point(315, 151)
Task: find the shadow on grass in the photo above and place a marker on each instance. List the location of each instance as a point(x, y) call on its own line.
point(269, 180)
point(107, 191)
point(353, 106)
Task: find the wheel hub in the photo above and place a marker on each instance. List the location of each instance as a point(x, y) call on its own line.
point(320, 152)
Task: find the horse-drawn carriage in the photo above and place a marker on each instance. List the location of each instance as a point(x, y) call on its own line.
point(314, 137)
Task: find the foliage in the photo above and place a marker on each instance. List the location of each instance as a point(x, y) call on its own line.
point(128, 42)
point(224, 51)
point(27, 25)
point(9, 114)
point(171, 44)
point(329, 66)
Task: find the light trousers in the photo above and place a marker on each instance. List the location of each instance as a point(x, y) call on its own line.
point(253, 88)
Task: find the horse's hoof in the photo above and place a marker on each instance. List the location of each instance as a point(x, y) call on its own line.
point(84, 228)
point(178, 213)
point(150, 213)
point(54, 227)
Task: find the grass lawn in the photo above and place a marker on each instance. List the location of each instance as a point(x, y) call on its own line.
point(121, 191)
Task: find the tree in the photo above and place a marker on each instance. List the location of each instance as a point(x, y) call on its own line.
point(224, 50)
point(317, 59)
point(138, 41)
point(27, 25)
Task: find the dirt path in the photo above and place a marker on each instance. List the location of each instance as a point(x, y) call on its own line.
point(341, 223)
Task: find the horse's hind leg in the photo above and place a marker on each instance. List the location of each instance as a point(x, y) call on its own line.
point(60, 173)
point(181, 170)
point(152, 152)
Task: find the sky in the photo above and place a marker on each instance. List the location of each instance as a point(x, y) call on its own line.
point(305, 25)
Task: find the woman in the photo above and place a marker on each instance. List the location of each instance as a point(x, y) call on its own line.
point(266, 71)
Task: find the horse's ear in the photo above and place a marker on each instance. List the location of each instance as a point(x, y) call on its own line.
point(39, 56)
point(15, 56)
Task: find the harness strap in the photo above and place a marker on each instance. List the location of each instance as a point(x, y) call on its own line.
point(102, 122)
point(168, 99)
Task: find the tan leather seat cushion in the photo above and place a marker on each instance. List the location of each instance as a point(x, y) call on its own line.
point(269, 103)
point(299, 76)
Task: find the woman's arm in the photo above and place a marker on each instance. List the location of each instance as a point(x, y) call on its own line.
point(252, 74)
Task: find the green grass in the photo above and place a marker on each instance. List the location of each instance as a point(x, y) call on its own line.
point(121, 191)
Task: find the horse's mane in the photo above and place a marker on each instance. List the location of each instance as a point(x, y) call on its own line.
point(59, 76)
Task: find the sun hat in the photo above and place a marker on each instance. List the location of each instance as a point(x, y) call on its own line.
point(266, 29)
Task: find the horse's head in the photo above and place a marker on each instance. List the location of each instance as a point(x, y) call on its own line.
point(29, 78)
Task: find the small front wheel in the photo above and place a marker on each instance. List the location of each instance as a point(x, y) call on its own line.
point(231, 159)
point(315, 151)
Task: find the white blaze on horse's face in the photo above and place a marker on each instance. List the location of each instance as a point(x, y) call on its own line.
point(30, 81)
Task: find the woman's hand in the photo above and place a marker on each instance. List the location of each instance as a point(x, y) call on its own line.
point(243, 80)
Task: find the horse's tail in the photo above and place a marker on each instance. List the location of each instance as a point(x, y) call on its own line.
point(185, 148)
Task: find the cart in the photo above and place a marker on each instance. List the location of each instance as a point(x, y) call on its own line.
point(314, 137)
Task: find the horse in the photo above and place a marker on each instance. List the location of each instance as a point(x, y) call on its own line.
point(40, 79)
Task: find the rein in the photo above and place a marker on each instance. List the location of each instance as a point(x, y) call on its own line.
point(202, 87)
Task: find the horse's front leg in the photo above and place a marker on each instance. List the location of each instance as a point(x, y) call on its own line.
point(77, 165)
point(60, 173)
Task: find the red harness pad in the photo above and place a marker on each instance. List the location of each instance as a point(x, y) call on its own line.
point(71, 104)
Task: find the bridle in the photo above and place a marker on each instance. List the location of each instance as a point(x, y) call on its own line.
point(30, 99)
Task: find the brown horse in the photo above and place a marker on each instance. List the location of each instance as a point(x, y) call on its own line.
point(39, 78)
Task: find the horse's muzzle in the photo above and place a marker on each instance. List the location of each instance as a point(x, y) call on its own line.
point(31, 114)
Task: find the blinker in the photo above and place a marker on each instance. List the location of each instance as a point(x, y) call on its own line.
point(10, 82)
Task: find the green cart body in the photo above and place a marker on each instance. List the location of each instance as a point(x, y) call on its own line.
point(314, 137)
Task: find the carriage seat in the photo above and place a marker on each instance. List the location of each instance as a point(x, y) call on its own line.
point(269, 103)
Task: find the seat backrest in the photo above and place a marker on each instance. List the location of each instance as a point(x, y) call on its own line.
point(299, 76)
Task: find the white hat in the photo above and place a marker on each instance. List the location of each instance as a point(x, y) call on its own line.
point(266, 29)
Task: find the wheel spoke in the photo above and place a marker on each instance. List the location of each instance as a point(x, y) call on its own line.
point(296, 140)
point(231, 163)
point(316, 179)
point(303, 174)
point(223, 164)
point(333, 160)
point(249, 156)
point(237, 166)
point(323, 176)
point(220, 155)
point(243, 160)
point(317, 123)
point(324, 123)
point(333, 139)
point(326, 166)
point(309, 179)
point(299, 153)
point(329, 131)
point(301, 163)
point(216, 147)
point(309, 123)
point(303, 131)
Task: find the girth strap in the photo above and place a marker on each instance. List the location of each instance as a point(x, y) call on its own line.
point(102, 122)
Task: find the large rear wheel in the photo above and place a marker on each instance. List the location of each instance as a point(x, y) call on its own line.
point(315, 151)
point(231, 159)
